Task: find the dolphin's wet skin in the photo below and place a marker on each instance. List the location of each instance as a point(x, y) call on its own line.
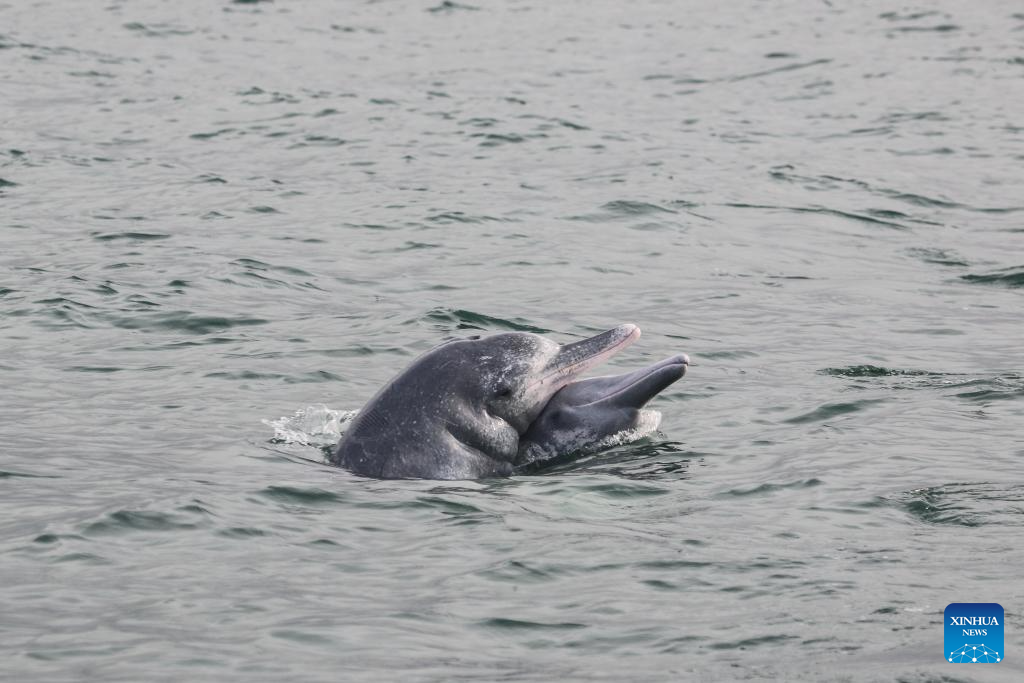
point(487, 407)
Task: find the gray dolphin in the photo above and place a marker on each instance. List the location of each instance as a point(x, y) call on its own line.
point(583, 415)
point(457, 411)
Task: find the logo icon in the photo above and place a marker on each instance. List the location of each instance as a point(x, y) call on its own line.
point(973, 632)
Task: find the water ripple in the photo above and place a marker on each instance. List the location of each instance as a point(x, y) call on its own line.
point(124, 521)
point(458, 319)
point(302, 496)
point(876, 371)
point(967, 504)
point(623, 208)
point(182, 321)
point(832, 410)
point(767, 488)
point(1007, 277)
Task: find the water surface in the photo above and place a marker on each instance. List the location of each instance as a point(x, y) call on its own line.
point(216, 214)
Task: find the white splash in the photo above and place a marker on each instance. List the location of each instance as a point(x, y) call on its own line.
point(647, 423)
point(315, 425)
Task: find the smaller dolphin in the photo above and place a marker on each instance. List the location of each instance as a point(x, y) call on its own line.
point(583, 415)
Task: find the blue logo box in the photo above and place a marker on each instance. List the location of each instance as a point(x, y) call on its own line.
point(973, 632)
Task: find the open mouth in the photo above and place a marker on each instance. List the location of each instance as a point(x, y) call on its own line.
point(574, 359)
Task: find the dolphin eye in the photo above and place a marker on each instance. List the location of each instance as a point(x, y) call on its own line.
point(503, 391)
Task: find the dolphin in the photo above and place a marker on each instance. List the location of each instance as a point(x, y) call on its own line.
point(584, 415)
point(459, 410)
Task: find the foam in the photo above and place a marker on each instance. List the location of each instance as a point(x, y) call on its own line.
point(315, 425)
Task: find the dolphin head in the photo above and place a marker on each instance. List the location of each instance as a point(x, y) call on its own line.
point(585, 413)
point(518, 373)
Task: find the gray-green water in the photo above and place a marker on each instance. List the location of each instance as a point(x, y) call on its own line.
point(216, 214)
